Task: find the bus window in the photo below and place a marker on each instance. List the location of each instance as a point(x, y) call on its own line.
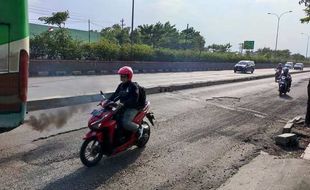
point(4, 48)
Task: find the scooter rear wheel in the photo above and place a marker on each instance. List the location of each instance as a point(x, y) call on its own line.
point(146, 135)
point(91, 152)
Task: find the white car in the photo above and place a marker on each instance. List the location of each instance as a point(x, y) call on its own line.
point(289, 65)
point(299, 66)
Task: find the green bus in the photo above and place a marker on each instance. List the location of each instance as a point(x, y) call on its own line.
point(14, 62)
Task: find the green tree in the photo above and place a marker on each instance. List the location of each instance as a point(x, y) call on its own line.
point(54, 45)
point(57, 18)
point(39, 46)
point(167, 36)
point(116, 34)
point(147, 33)
point(191, 39)
point(105, 50)
point(220, 48)
point(297, 57)
point(136, 37)
point(170, 38)
point(266, 52)
point(307, 11)
point(283, 53)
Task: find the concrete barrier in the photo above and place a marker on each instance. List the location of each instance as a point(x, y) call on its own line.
point(104, 72)
point(111, 67)
point(91, 72)
point(63, 101)
point(76, 72)
point(61, 73)
point(43, 73)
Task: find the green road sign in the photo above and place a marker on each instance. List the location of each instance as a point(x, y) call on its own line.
point(248, 45)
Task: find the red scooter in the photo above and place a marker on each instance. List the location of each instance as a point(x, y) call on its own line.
point(107, 138)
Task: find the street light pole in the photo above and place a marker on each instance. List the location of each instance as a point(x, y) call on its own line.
point(278, 25)
point(307, 47)
point(307, 43)
point(132, 18)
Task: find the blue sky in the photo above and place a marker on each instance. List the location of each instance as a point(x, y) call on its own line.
point(219, 21)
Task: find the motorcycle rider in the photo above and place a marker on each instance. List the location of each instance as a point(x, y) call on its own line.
point(128, 94)
point(278, 71)
point(288, 77)
point(280, 67)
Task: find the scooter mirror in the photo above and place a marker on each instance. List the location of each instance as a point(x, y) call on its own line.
point(102, 94)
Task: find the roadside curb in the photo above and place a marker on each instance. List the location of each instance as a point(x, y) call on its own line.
point(56, 102)
point(306, 154)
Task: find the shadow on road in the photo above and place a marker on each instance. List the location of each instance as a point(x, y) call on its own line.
point(92, 178)
point(243, 73)
point(286, 97)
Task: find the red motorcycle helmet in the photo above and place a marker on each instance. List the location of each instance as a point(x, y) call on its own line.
point(126, 71)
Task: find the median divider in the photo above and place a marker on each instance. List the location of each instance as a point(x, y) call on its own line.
point(56, 102)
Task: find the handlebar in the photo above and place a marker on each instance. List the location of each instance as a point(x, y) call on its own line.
point(108, 102)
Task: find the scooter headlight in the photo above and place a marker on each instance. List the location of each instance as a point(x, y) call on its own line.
point(95, 125)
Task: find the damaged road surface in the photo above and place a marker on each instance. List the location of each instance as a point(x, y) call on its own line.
point(201, 139)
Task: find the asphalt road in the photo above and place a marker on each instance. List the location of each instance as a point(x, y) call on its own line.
point(49, 87)
point(201, 138)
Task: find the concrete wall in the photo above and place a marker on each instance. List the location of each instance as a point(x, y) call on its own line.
point(72, 67)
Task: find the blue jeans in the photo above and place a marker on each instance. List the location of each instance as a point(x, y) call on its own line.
point(127, 120)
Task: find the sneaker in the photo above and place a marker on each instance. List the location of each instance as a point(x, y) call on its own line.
point(140, 132)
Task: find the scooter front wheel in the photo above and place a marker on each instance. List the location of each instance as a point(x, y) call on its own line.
point(91, 152)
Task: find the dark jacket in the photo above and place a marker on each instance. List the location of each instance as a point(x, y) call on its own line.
point(288, 77)
point(127, 93)
point(308, 106)
point(309, 91)
point(279, 68)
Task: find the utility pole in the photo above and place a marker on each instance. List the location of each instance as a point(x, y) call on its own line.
point(132, 19)
point(88, 30)
point(123, 24)
point(241, 48)
point(307, 48)
point(132, 24)
point(307, 43)
point(186, 36)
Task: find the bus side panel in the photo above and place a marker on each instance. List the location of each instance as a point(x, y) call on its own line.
point(9, 84)
point(12, 120)
point(14, 49)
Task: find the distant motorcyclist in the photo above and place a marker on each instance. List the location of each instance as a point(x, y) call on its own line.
point(278, 71)
point(280, 67)
point(128, 94)
point(288, 77)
